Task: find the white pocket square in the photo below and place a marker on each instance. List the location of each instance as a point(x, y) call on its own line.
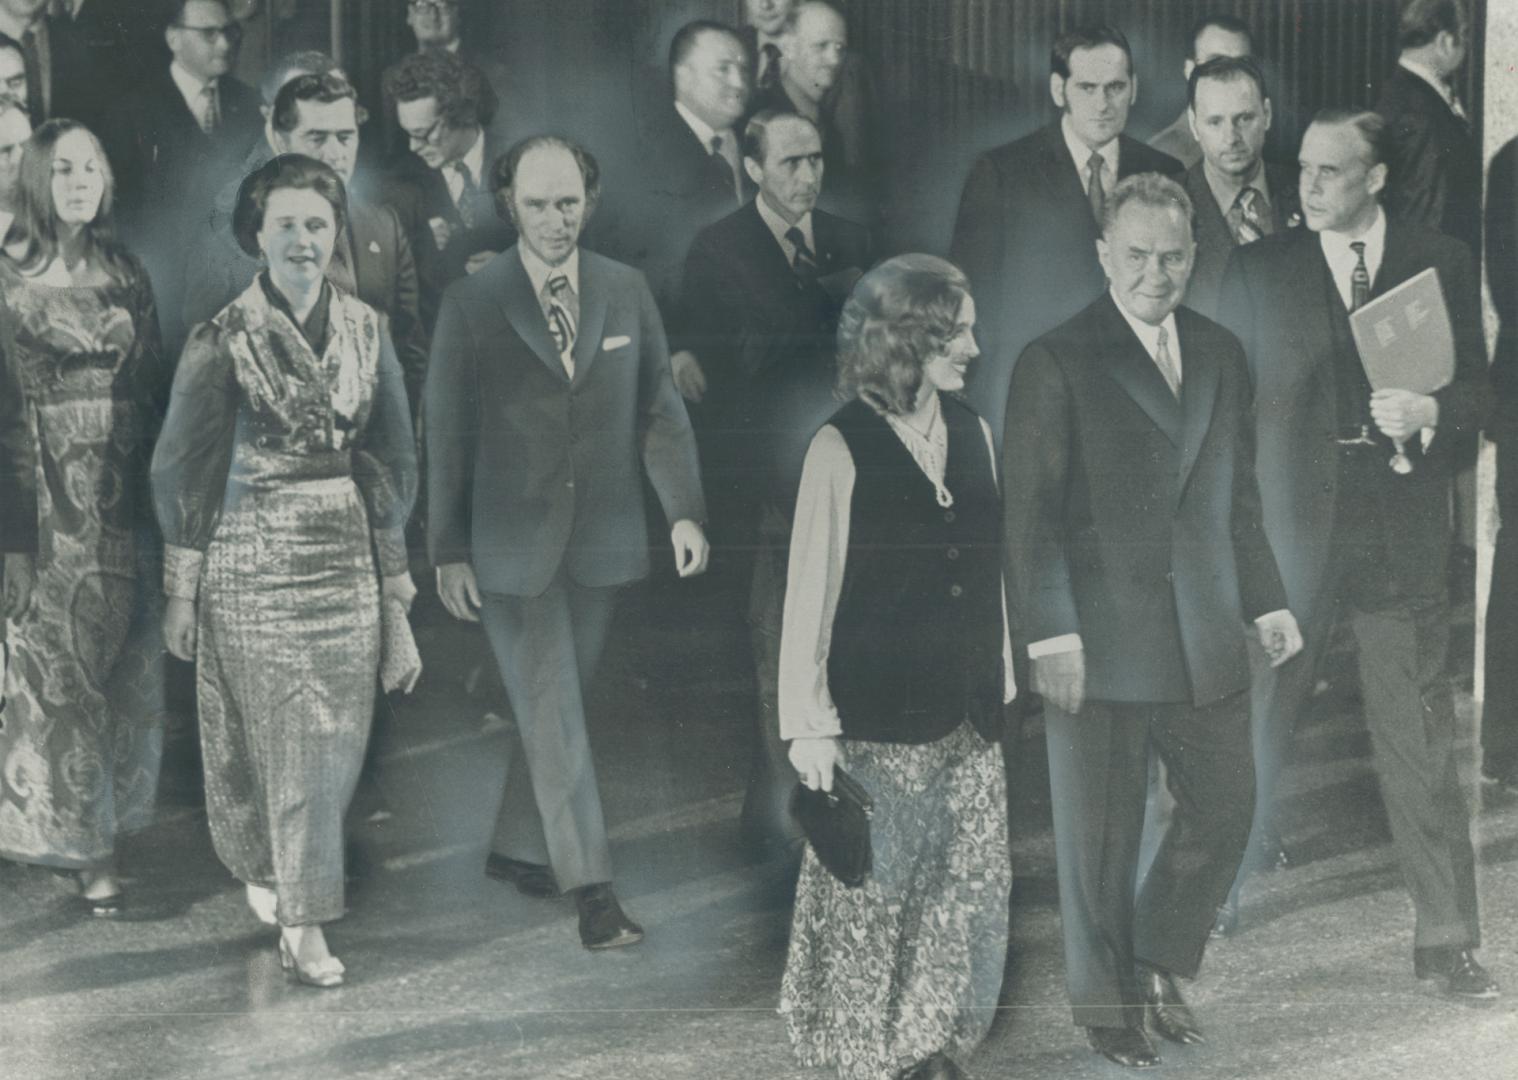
point(614, 342)
point(374, 247)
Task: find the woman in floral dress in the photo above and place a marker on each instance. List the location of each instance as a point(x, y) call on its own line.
point(895, 664)
point(84, 384)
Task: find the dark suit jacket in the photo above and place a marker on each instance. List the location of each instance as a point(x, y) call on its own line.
point(529, 471)
point(1435, 177)
point(1215, 240)
point(1502, 275)
point(1026, 237)
point(1277, 296)
point(77, 90)
point(1133, 519)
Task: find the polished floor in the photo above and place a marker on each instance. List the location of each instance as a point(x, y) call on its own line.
point(456, 976)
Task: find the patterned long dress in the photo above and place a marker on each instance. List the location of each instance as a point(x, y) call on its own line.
point(283, 479)
point(79, 744)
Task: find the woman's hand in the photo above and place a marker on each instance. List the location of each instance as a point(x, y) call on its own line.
point(814, 759)
point(399, 587)
point(179, 627)
point(20, 577)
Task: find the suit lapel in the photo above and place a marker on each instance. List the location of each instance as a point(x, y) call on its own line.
point(1127, 363)
point(520, 306)
point(1063, 181)
point(593, 305)
point(1199, 390)
point(1212, 231)
point(1398, 263)
point(1311, 295)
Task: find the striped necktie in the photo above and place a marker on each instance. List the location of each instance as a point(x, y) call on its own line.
point(1359, 281)
point(1244, 217)
point(562, 308)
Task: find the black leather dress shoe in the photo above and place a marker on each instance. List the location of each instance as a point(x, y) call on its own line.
point(935, 1067)
point(603, 923)
point(1126, 1046)
point(1466, 977)
point(531, 879)
point(1167, 1010)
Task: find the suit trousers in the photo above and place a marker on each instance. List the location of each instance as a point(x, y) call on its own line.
point(1403, 644)
point(1098, 773)
point(1499, 711)
point(548, 647)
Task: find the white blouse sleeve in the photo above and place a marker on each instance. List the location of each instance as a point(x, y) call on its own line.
point(819, 546)
point(1009, 681)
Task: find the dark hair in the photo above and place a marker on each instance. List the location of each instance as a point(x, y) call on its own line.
point(503, 173)
point(755, 139)
point(1423, 20)
point(1226, 69)
point(173, 10)
point(1147, 189)
point(1092, 36)
point(686, 38)
point(464, 97)
point(1372, 126)
point(322, 89)
point(36, 217)
point(292, 171)
point(1229, 24)
point(900, 314)
point(302, 61)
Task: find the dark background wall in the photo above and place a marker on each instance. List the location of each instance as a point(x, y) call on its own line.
point(953, 76)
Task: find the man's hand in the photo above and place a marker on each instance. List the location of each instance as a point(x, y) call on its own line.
point(1061, 679)
point(20, 578)
point(1401, 414)
point(813, 760)
point(691, 548)
point(459, 591)
point(1280, 636)
point(179, 627)
point(476, 261)
point(442, 232)
point(690, 380)
point(400, 587)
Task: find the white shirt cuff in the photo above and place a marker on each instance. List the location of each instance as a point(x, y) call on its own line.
point(1049, 646)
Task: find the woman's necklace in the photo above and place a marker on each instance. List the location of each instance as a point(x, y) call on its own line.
point(925, 431)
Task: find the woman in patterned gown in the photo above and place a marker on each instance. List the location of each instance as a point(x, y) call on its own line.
point(283, 479)
point(895, 664)
point(84, 384)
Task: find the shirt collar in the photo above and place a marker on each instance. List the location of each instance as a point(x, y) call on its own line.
point(1081, 153)
point(779, 226)
point(190, 86)
point(474, 159)
point(703, 131)
point(1225, 189)
point(538, 271)
point(1336, 244)
point(1149, 336)
point(1428, 75)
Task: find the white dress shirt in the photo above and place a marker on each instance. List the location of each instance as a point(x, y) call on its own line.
point(474, 161)
point(729, 148)
point(779, 226)
point(192, 89)
point(1342, 258)
point(819, 549)
point(1082, 155)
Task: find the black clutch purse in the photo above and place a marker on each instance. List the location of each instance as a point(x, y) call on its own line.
point(837, 825)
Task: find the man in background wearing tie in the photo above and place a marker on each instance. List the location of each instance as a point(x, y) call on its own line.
point(1136, 559)
point(548, 401)
point(1028, 217)
point(1352, 535)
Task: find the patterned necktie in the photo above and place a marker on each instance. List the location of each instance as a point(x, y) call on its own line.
point(210, 114)
point(1095, 192)
point(562, 307)
point(719, 144)
point(1359, 281)
point(468, 192)
point(805, 262)
point(769, 67)
point(1244, 217)
point(1166, 363)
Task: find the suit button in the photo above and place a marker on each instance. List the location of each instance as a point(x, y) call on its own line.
point(948, 515)
point(570, 484)
point(956, 591)
point(952, 553)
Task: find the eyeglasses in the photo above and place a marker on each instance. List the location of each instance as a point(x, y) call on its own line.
point(430, 134)
point(433, 7)
point(232, 31)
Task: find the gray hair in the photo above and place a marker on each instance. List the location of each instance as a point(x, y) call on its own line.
point(1147, 189)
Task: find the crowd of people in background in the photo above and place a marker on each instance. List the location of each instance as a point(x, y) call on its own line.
point(1116, 452)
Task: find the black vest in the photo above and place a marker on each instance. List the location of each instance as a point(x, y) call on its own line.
point(916, 641)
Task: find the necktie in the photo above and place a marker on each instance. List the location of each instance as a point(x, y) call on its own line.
point(34, 94)
point(1097, 193)
point(468, 191)
point(1359, 281)
point(719, 148)
point(1166, 363)
point(562, 307)
point(1245, 219)
point(769, 65)
point(804, 262)
point(210, 115)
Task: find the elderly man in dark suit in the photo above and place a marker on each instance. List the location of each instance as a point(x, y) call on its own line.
point(1136, 558)
point(1028, 217)
point(1353, 535)
point(763, 290)
point(1238, 195)
point(548, 400)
